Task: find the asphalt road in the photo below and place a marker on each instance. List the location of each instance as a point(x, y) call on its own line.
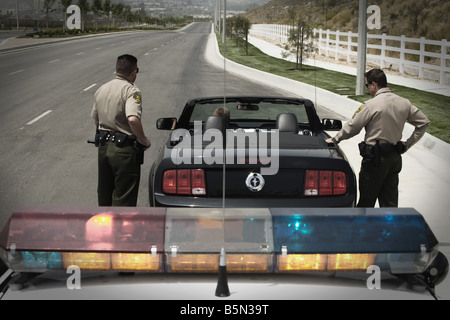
point(47, 95)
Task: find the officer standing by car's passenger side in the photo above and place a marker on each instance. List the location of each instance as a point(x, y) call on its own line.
point(120, 136)
point(383, 118)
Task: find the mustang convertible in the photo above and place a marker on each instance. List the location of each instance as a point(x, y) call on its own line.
point(250, 152)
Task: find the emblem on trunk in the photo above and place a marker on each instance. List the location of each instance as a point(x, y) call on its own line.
point(255, 182)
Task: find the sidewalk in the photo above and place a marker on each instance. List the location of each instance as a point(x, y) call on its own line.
point(425, 85)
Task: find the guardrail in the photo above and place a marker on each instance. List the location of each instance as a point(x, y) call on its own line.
point(427, 59)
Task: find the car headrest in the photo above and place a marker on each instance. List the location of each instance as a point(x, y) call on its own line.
point(287, 122)
point(215, 122)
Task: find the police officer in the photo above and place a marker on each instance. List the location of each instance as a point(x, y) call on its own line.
point(383, 118)
point(120, 136)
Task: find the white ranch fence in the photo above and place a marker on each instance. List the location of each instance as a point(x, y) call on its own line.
point(427, 59)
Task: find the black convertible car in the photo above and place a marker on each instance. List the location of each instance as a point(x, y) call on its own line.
point(250, 152)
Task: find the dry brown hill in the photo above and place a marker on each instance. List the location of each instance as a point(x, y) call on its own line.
point(412, 18)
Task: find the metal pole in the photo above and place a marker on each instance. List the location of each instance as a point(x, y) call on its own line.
point(224, 19)
point(362, 47)
point(220, 15)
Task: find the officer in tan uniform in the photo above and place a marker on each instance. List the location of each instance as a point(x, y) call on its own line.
point(383, 118)
point(120, 136)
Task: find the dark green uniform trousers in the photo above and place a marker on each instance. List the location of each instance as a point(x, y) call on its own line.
point(118, 176)
point(380, 182)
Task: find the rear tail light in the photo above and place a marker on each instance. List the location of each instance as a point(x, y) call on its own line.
point(198, 182)
point(339, 183)
point(184, 181)
point(325, 182)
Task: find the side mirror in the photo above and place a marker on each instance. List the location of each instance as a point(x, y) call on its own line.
point(331, 124)
point(166, 123)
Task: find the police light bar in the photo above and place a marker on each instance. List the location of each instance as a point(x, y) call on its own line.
point(264, 240)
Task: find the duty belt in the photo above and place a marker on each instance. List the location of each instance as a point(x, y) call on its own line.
point(120, 139)
point(374, 152)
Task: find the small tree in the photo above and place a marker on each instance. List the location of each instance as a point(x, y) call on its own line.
point(117, 10)
point(84, 8)
point(299, 38)
point(245, 26)
point(48, 4)
point(229, 27)
point(241, 27)
point(97, 9)
point(107, 7)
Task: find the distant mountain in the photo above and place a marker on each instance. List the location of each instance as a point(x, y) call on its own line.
point(412, 18)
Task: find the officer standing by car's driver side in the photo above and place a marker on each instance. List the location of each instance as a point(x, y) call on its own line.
point(383, 118)
point(120, 136)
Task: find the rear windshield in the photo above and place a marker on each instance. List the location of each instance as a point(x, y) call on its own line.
point(264, 111)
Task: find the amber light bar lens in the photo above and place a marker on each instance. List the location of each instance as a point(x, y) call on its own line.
point(210, 263)
point(302, 262)
point(136, 262)
point(324, 262)
point(87, 260)
point(112, 261)
point(350, 262)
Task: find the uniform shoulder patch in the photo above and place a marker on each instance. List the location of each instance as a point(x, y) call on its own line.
point(358, 111)
point(137, 97)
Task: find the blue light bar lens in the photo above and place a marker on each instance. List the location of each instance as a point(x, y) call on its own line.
point(301, 231)
point(42, 260)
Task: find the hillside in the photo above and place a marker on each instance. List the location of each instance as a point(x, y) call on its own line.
point(412, 18)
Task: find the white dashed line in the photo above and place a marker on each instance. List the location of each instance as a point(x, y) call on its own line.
point(56, 60)
point(15, 72)
point(79, 53)
point(39, 117)
point(91, 86)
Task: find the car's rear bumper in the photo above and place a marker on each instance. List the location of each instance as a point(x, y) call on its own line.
point(203, 202)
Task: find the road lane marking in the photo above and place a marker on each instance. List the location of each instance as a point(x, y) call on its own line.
point(79, 53)
point(39, 117)
point(91, 86)
point(56, 60)
point(15, 72)
point(147, 54)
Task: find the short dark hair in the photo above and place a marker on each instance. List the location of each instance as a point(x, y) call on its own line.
point(126, 64)
point(377, 76)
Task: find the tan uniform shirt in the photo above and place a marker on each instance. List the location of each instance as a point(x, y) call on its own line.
point(384, 117)
point(114, 102)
